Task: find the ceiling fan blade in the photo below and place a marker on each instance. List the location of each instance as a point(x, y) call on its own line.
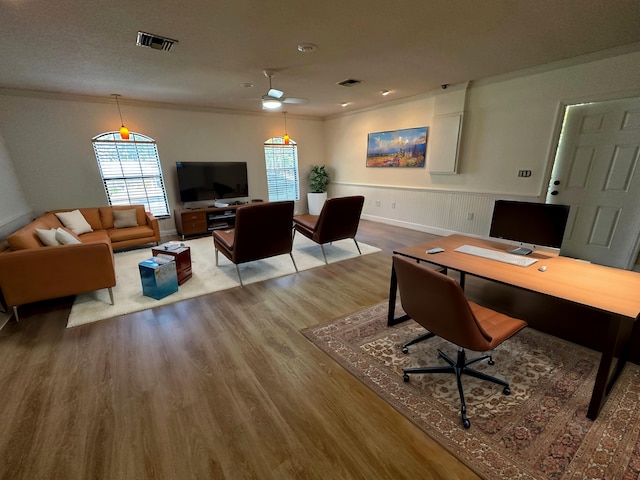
point(275, 93)
point(294, 100)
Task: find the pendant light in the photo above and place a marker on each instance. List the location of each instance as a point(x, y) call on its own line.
point(286, 135)
point(124, 131)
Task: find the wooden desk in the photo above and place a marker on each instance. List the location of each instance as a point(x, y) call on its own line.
point(610, 290)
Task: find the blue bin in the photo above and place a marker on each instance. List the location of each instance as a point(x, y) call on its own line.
point(158, 279)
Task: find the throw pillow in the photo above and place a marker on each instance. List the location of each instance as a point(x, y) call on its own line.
point(47, 237)
point(124, 218)
point(65, 237)
point(75, 222)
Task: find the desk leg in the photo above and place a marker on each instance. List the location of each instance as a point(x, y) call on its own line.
point(604, 383)
point(393, 289)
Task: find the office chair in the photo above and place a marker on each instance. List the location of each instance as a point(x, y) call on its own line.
point(262, 230)
point(338, 219)
point(438, 303)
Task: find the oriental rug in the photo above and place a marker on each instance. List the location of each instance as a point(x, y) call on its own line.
point(206, 276)
point(540, 431)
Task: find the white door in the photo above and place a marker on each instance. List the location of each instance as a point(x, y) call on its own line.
point(596, 172)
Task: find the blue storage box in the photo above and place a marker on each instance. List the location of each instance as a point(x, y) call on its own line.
point(159, 277)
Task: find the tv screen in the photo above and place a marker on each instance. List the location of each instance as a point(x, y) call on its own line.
point(200, 181)
point(540, 224)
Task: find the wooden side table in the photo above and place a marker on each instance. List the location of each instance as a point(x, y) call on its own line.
point(182, 255)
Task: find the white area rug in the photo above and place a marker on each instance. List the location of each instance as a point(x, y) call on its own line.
point(207, 278)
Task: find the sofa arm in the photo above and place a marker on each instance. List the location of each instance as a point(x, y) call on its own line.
point(43, 273)
point(153, 223)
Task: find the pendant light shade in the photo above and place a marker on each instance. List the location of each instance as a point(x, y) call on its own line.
point(124, 131)
point(286, 137)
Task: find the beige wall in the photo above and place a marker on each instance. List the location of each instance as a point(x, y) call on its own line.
point(50, 144)
point(14, 208)
point(510, 123)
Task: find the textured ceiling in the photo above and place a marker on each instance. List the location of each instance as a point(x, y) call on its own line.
point(409, 46)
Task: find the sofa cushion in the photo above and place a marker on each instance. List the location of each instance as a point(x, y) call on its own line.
point(26, 237)
point(131, 233)
point(47, 236)
point(124, 218)
point(106, 215)
point(95, 236)
point(75, 222)
point(66, 237)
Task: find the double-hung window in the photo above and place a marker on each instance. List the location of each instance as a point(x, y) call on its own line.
point(131, 171)
point(282, 169)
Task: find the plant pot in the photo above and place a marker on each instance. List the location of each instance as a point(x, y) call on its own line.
point(315, 202)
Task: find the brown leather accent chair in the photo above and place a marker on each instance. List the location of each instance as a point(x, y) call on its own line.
point(338, 219)
point(262, 230)
point(438, 303)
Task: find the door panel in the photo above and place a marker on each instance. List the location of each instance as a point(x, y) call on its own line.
point(596, 173)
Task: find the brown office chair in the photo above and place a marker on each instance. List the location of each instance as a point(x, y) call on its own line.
point(338, 219)
point(262, 230)
point(438, 303)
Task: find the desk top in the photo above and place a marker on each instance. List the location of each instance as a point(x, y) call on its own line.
point(609, 289)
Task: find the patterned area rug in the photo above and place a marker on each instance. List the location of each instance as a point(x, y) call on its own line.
point(540, 431)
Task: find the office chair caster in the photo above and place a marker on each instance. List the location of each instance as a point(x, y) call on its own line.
point(465, 421)
point(405, 377)
point(506, 391)
point(405, 350)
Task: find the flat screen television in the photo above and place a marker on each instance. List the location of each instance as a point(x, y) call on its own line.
point(529, 223)
point(210, 181)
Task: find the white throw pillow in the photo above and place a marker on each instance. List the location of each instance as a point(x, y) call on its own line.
point(75, 222)
point(47, 237)
point(124, 218)
point(65, 237)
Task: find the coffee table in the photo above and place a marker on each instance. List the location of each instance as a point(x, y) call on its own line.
point(182, 255)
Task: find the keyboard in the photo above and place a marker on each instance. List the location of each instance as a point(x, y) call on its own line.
point(504, 257)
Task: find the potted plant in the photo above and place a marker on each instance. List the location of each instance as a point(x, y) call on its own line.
point(318, 181)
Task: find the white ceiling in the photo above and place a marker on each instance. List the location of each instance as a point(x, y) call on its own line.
point(88, 47)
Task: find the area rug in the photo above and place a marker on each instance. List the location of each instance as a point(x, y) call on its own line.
point(540, 431)
point(206, 276)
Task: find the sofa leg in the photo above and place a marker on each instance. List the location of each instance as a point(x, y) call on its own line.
point(111, 296)
point(15, 313)
point(216, 257)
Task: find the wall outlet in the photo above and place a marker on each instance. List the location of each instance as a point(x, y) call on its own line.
point(393, 204)
point(524, 173)
point(377, 203)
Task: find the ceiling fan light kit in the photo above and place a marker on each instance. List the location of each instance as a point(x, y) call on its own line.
point(274, 97)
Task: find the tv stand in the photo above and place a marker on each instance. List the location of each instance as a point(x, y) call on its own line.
point(200, 221)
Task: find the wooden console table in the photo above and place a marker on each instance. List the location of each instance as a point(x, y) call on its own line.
point(199, 221)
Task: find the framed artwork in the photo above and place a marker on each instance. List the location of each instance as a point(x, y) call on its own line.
point(398, 148)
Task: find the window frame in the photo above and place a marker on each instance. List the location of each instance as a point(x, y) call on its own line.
point(283, 180)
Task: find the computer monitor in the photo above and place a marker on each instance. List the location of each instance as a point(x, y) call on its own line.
point(529, 223)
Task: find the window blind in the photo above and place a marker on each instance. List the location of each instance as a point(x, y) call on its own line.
point(131, 171)
point(282, 169)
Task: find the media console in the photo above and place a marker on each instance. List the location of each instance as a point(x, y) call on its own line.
point(200, 221)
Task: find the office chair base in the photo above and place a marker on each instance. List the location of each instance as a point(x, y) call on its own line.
point(460, 367)
point(424, 336)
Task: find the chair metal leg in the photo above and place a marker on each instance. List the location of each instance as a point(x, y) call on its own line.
point(294, 262)
point(111, 296)
point(357, 246)
point(216, 257)
point(324, 254)
point(15, 313)
point(424, 336)
point(239, 277)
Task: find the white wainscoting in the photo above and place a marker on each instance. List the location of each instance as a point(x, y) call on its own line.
point(440, 212)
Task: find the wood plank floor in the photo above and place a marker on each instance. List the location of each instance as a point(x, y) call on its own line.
point(222, 386)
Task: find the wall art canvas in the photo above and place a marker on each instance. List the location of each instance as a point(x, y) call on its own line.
point(398, 148)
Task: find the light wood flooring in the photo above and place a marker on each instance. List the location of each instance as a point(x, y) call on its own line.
point(222, 386)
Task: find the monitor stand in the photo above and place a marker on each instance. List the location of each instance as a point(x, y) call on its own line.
point(522, 250)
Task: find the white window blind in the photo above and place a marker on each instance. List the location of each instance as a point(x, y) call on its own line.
point(131, 171)
point(282, 169)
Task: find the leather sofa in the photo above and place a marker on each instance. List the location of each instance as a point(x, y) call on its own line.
point(31, 271)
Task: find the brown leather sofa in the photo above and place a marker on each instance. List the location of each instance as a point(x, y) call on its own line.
point(31, 271)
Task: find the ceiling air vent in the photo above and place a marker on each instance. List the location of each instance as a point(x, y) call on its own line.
point(154, 41)
point(350, 82)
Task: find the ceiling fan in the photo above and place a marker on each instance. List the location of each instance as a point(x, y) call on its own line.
point(274, 98)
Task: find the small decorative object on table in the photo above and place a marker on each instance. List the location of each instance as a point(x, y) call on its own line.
point(182, 256)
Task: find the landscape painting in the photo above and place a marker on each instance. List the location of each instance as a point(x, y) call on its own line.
point(398, 148)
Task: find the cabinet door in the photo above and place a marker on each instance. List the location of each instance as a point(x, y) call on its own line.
point(194, 222)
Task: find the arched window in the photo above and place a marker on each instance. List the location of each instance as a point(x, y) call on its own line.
point(131, 171)
point(282, 169)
